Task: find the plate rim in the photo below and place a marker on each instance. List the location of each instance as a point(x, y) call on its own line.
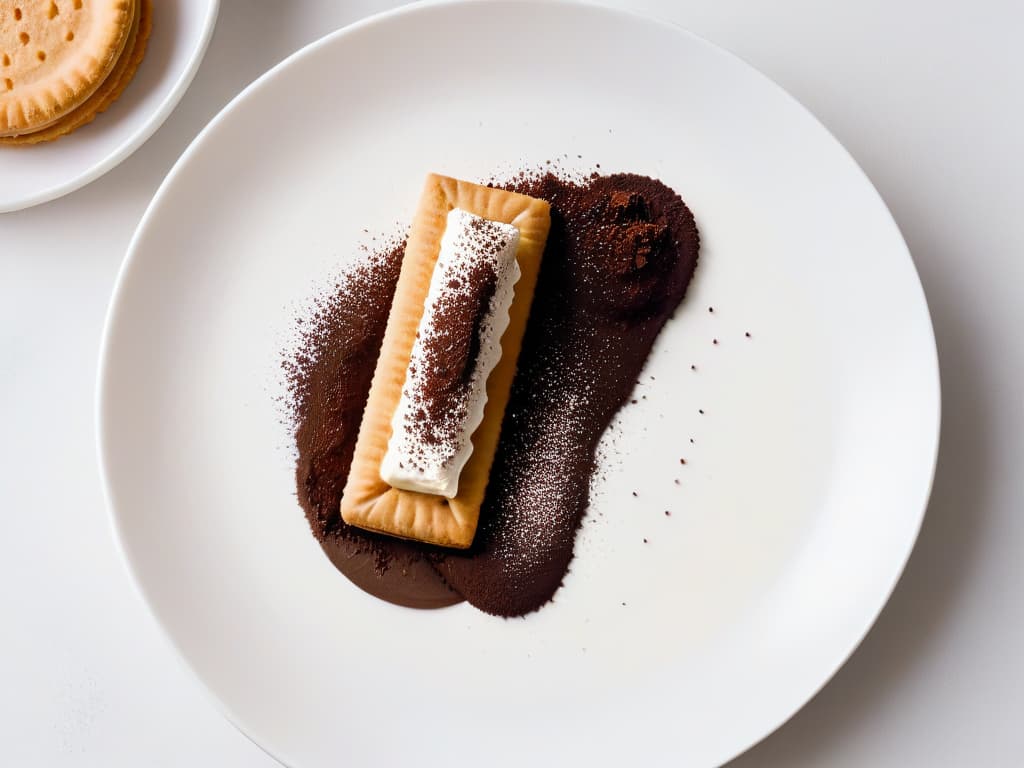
point(137, 138)
point(929, 356)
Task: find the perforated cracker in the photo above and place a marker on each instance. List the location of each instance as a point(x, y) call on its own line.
point(109, 90)
point(55, 54)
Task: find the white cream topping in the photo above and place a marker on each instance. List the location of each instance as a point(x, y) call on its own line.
point(429, 466)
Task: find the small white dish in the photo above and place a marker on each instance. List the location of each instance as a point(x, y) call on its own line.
point(797, 508)
point(42, 172)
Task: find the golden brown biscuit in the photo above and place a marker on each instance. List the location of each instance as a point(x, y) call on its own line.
point(368, 502)
point(55, 54)
point(108, 92)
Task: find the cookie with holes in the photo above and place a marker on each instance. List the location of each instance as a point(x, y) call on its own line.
point(64, 61)
point(108, 92)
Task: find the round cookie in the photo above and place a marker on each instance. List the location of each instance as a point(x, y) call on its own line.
point(109, 90)
point(54, 54)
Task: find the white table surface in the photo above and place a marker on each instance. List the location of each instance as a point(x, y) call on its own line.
point(929, 98)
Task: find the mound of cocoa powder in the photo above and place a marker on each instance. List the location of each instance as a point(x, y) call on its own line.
point(621, 252)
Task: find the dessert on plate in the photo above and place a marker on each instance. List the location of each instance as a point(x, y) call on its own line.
point(435, 465)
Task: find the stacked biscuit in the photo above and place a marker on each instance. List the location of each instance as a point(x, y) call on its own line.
point(62, 62)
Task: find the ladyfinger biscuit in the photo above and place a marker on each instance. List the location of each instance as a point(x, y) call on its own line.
point(501, 222)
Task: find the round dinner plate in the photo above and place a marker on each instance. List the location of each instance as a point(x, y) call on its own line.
point(42, 172)
point(814, 439)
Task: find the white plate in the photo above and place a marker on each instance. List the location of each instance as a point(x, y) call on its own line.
point(33, 175)
point(802, 495)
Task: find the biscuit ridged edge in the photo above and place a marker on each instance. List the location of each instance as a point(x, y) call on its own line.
point(368, 502)
point(109, 91)
point(77, 71)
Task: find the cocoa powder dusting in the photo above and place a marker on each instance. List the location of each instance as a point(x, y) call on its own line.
point(328, 381)
point(621, 252)
point(449, 356)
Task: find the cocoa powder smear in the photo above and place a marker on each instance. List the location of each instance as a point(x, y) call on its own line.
point(620, 254)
